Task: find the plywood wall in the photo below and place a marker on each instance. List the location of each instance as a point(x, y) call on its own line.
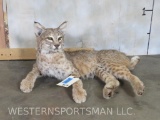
point(2, 31)
point(99, 24)
point(154, 47)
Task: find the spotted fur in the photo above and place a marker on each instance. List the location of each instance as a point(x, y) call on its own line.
point(53, 61)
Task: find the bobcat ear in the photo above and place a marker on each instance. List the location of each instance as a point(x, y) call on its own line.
point(63, 26)
point(39, 29)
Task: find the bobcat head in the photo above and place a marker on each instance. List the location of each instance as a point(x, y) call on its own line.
point(50, 40)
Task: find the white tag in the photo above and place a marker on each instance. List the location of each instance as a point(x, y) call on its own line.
point(68, 81)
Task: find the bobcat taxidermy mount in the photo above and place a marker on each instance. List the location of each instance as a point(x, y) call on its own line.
point(53, 61)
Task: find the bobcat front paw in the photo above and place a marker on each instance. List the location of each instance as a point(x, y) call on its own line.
point(26, 86)
point(79, 95)
point(139, 88)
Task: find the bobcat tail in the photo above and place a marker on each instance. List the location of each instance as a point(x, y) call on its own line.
point(133, 62)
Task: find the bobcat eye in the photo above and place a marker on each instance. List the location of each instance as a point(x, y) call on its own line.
point(60, 38)
point(50, 38)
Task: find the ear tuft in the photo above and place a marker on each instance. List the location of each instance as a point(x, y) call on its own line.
point(63, 26)
point(39, 29)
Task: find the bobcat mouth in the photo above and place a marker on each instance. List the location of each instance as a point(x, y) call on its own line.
point(55, 50)
point(51, 52)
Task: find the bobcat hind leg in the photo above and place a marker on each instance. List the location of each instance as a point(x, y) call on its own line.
point(122, 72)
point(111, 83)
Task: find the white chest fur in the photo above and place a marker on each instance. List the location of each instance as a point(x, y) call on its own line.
point(54, 65)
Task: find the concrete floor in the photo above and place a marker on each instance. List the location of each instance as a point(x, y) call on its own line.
point(46, 94)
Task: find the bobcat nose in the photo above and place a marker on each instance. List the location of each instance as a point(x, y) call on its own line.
point(56, 46)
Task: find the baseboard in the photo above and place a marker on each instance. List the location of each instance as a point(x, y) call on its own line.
point(25, 53)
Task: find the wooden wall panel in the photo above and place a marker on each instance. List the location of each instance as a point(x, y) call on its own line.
point(154, 46)
point(101, 24)
point(2, 31)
